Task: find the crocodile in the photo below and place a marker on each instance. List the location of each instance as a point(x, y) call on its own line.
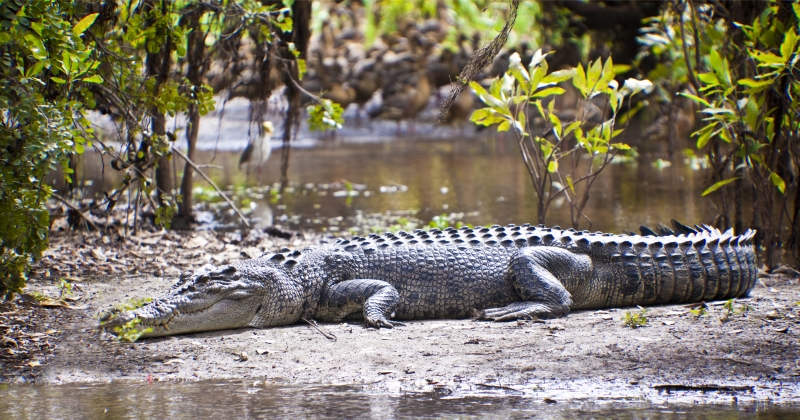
point(497, 273)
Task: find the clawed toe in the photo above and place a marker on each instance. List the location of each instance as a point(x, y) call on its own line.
point(522, 310)
point(383, 323)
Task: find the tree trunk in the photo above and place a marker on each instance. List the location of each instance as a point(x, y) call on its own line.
point(195, 55)
point(300, 36)
point(158, 66)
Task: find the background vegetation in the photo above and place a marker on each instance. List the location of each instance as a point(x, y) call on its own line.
point(729, 65)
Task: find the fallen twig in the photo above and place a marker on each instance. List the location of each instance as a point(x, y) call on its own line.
point(501, 387)
point(313, 323)
point(222, 194)
point(730, 359)
point(703, 388)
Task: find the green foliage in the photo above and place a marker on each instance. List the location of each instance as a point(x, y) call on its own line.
point(514, 99)
point(131, 331)
point(699, 311)
point(132, 304)
point(39, 296)
point(743, 78)
point(166, 212)
point(443, 222)
point(401, 224)
point(325, 115)
point(730, 310)
point(65, 288)
point(738, 110)
point(47, 70)
point(635, 320)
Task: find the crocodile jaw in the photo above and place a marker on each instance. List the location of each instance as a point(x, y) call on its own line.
point(193, 312)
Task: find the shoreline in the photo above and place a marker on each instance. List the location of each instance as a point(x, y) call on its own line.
point(750, 355)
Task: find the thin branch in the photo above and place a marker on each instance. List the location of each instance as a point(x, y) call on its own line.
point(74, 208)
point(686, 58)
point(313, 323)
point(480, 59)
point(203, 174)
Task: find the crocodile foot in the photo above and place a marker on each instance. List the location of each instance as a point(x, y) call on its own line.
point(381, 322)
point(523, 310)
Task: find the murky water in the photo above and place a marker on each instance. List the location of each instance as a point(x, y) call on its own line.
point(248, 399)
point(482, 180)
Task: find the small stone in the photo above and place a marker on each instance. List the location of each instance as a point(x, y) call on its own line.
point(773, 314)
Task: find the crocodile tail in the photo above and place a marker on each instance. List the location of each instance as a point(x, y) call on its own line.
point(720, 265)
point(702, 265)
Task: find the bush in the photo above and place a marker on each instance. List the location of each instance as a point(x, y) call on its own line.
point(44, 69)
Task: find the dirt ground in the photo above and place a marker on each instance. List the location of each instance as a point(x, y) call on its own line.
point(752, 352)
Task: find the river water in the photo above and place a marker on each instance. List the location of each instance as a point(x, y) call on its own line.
point(248, 399)
point(476, 180)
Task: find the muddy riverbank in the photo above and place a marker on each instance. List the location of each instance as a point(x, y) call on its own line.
point(711, 353)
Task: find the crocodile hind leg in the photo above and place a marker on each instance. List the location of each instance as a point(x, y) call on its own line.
point(535, 274)
point(377, 300)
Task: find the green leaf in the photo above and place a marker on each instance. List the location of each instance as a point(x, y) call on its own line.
point(557, 77)
point(718, 185)
point(726, 135)
point(705, 135)
point(696, 98)
point(708, 78)
point(58, 80)
point(478, 89)
point(552, 166)
point(36, 46)
point(570, 128)
point(787, 47)
point(549, 91)
point(715, 111)
point(84, 23)
point(557, 128)
point(758, 85)
point(778, 182)
point(539, 108)
point(767, 58)
point(36, 69)
point(93, 79)
point(302, 68)
point(579, 81)
point(716, 62)
point(593, 76)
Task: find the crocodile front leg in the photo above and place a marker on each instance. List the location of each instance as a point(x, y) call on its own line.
point(376, 298)
point(535, 274)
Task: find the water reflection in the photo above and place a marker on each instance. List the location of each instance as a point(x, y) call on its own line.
point(483, 178)
point(247, 399)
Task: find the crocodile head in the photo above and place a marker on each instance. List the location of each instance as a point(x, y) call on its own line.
point(217, 298)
